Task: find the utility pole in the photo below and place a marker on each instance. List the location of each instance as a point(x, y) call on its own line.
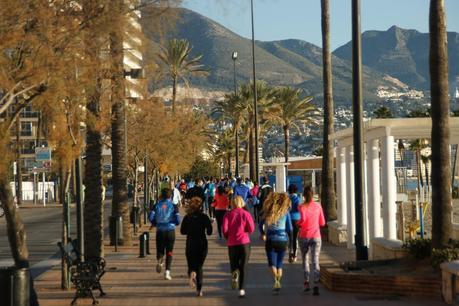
point(360, 247)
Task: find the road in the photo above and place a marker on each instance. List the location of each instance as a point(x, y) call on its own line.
point(43, 227)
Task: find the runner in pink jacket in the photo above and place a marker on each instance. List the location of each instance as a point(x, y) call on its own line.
point(237, 227)
point(311, 219)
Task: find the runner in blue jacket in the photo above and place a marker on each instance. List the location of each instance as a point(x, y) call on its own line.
point(165, 218)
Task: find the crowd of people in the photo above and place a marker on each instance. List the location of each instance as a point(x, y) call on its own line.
point(285, 222)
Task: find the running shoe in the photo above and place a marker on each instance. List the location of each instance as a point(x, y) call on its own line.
point(159, 265)
point(167, 275)
point(235, 279)
point(193, 279)
point(241, 293)
point(199, 293)
point(315, 291)
point(306, 286)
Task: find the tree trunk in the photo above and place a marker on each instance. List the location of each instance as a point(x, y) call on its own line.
point(174, 93)
point(65, 186)
point(251, 154)
point(286, 141)
point(441, 164)
point(328, 183)
point(120, 205)
point(18, 161)
point(93, 204)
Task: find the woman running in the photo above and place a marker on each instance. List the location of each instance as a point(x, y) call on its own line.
point(220, 205)
point(195, 226)
point(275, 227)
point(311, 219)
point(237, 227)
point(165, 217)
point(295, 217)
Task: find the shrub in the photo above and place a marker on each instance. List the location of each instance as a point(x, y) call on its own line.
point(441, 255)
point(419, 248)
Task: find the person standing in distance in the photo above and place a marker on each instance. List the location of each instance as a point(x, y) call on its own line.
point(165, 218)
point(311, 219)
point(237, 227)
point(195, 226)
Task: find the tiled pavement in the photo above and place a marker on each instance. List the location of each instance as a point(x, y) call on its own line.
point(133, 281)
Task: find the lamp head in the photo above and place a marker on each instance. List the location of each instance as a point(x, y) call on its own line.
point(234, 55)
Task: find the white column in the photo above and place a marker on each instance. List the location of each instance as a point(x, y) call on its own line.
point(350, 196)
point(389, 190)
point(281, 179)
point(313, 181)
point(341, 181)
point(374, 192)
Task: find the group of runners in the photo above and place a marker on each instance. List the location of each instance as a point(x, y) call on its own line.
point(284, 220)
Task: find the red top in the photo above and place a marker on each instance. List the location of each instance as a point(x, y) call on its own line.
point(254, 191)
point(221, 202)
point(311, 219)
point(237, 226)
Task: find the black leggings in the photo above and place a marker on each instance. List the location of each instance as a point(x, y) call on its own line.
point(293, 241)
point(165, 244)
point(196, 252)
point(219, 213)
point(239, 257)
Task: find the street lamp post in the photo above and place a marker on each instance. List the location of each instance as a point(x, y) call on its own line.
point(236, 132)
point(255, 106)
point(360, 248)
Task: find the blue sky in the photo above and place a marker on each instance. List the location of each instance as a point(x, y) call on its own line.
point(300, 19)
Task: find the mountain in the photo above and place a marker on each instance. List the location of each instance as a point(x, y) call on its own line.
point(403, 54)
point(288, 62)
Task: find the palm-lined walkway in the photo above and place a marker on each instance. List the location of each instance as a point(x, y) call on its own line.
point(133, 281)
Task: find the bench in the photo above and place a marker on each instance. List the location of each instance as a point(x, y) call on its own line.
point(85, 275)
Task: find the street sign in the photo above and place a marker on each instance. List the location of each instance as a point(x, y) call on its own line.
point(43, 154)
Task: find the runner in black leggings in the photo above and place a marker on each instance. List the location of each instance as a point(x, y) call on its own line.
point(195, 225)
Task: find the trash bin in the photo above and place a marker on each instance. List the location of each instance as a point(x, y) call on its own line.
point(14, 286)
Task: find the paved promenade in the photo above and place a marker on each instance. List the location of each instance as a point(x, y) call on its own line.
point(133, 281)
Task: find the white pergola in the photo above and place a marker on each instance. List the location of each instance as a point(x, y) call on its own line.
point(379, 137)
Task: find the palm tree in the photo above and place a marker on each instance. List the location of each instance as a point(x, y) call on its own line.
point(230, 111)
point(426, 160)
point(383, 112)
point(264, 94)
point(441, 166)
point(176, 57)
point(120, 205)
point(328, 190)
point(417, 146)
point(289, 110)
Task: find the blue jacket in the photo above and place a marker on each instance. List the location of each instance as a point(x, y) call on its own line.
point(243, 191)
point(294, 212)
point(279, 231)
point(164, 216)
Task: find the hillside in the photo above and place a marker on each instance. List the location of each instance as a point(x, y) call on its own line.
point(287, 62)
point(403, 54)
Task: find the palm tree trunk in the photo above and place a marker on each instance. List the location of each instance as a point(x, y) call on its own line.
point(286, 142)
point(441, 166)
point(120, 205)
point(328, 187)
point(93, 205)
point(174, 93)
point(251, 154)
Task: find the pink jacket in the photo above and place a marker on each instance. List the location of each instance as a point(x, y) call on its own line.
point(311, 219)
point(237, 226)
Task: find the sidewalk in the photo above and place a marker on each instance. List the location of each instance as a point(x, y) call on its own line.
point(133, 281)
